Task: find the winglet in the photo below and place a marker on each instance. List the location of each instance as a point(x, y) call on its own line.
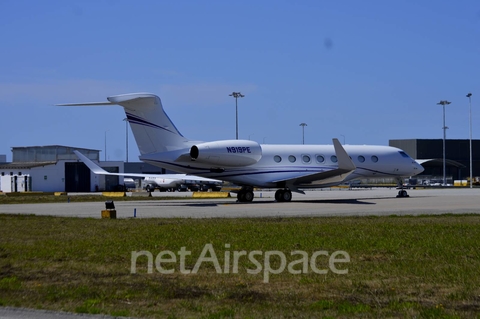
point(344, 160)
point(91, 165)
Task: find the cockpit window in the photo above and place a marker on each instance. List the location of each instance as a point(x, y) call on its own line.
point(404, 154)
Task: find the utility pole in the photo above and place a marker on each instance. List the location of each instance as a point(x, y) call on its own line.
point(443, 103)
point(236, 95)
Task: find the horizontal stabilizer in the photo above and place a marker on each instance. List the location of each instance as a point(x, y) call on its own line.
point(116, 100)
point(86, 104)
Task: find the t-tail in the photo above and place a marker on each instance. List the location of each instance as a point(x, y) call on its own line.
point(153, 130)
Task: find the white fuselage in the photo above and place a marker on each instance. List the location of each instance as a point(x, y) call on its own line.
point(284, 162)
point(163, 182)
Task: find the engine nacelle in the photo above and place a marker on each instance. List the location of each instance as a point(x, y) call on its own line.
point(231, 153)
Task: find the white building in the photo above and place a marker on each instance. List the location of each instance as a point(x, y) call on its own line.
point(56, 168)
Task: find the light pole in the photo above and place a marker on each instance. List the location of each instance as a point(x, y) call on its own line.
point(106, 145)
point(236, 95)
point(443, 103)
point(343, 138)
point(126, 135)
point(469, 95)
point(250, 135)
point(264, 139)
point(303, 131)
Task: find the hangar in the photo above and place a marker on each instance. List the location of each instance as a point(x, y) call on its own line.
point(429, 152)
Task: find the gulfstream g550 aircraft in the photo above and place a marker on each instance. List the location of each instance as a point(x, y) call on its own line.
point(249, 164)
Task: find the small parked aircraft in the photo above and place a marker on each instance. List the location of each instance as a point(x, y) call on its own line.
point(153, 181)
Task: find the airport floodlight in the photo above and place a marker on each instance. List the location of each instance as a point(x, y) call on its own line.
point(303, 131)
point(469, 95)
point(126, 137)
point(106, 145)
point(236, 95)
point(443, 103)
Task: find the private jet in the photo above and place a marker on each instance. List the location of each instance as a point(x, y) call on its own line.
point(290, 168)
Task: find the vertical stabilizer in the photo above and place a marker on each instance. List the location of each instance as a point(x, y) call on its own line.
point(153, 130)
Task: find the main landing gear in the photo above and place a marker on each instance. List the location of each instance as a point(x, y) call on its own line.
point(283, 195)
point(245, 195)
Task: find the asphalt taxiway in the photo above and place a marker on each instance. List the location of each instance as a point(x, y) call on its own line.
point(326, 202)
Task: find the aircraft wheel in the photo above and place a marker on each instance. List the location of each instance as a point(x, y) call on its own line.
point(279, 195)
point(402, 193)
point(248, 196)
point(286, 196)
point(241, 196)
point(149, 188)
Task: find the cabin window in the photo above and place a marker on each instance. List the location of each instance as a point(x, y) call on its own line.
point(320, 159)
point(277, 158)
point(361, 158)
point(306, 159)
point(292, 158)
point(374, 158)
point(333, 158)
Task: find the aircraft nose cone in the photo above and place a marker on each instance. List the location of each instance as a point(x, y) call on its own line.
point(417, 168)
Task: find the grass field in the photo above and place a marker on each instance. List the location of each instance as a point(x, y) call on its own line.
point(400, 267)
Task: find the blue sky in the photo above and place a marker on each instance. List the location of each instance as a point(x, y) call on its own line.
point(363, 71)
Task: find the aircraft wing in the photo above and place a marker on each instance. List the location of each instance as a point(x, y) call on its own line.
point(100, 171)
point(337, 175)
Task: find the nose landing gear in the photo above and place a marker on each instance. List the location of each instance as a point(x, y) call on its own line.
point(402, 192)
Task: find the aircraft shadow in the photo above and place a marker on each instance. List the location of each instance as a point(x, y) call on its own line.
point(201, 204)
point(350, 201)
point(310, 201)
point(336, 201)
